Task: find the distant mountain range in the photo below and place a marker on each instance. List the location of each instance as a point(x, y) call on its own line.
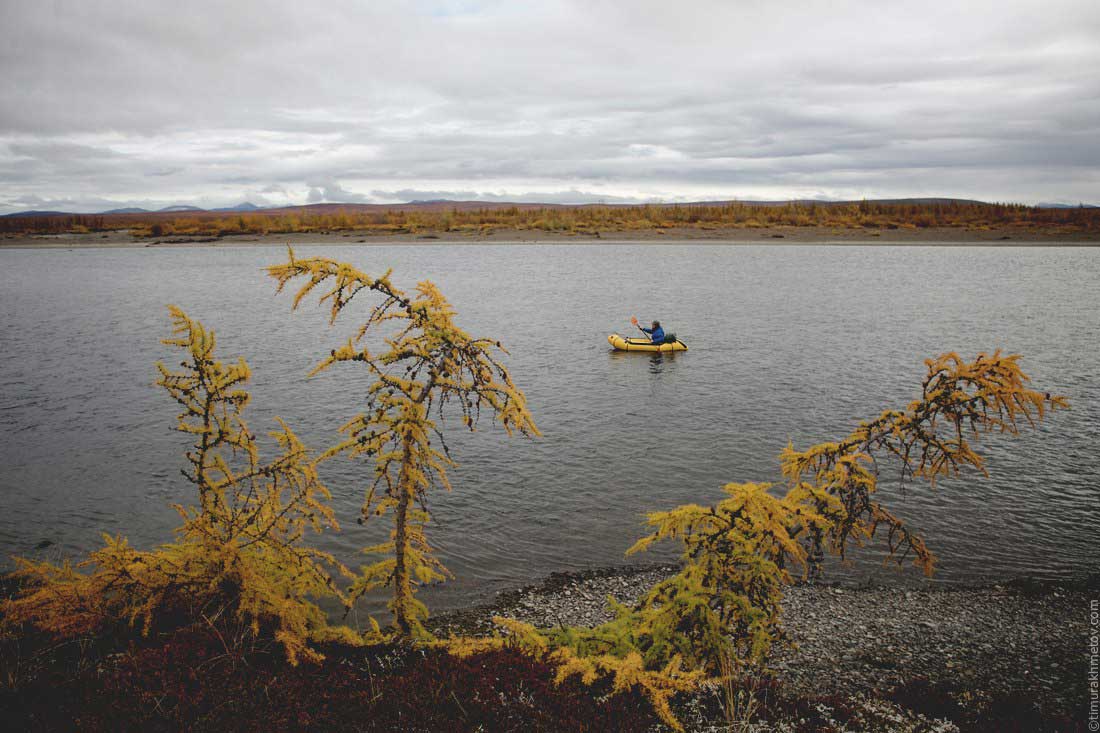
point(246, 206)
point(436, 204)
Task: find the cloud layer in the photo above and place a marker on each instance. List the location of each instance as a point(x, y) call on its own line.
point(150, 103)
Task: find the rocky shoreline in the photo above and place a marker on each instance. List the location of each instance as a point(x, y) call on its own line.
point(1023, 640)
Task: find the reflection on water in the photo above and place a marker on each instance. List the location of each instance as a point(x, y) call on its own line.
point(825, 337)
point(657, 360)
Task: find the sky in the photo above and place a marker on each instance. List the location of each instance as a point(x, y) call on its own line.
point(150, 103)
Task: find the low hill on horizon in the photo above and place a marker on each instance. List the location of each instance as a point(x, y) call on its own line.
point(474, 205)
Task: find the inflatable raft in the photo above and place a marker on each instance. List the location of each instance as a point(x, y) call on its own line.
point(620, 343)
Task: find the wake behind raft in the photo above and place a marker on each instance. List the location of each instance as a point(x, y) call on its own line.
point(622, 343)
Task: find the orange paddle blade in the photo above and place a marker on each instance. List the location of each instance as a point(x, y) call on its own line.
point(634, 320)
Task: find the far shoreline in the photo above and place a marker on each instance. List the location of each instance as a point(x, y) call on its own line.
point(827, 236)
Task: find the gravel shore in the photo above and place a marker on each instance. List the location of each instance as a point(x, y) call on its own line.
point(1024, 639)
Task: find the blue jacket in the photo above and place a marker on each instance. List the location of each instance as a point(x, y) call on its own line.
point(656, 335)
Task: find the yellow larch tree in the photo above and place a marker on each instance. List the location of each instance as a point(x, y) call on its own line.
point(426, 363)
point(722, 610)
point(239, 553)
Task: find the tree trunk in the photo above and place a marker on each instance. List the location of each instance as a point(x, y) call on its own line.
point(402, 588)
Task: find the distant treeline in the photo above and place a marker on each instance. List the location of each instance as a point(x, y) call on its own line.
point(587, 219)
point(54, 223)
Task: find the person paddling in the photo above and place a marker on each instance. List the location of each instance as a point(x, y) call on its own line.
point(656, 333)
point(656, 339)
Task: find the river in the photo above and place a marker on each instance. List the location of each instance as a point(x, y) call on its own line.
point(787, 343)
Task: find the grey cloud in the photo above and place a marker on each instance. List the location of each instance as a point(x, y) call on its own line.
point(136, 100)
point(570, 196)
point(32, 201)
point(60, 150)
point(333, 193)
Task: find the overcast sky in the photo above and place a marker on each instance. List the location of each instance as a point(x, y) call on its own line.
point(150, 103)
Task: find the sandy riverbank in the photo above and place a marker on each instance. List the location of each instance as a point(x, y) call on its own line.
point(937, 652)
point(775, 235)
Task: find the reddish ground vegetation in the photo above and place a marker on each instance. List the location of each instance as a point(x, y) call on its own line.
point(1005, 713)
point(189, 682)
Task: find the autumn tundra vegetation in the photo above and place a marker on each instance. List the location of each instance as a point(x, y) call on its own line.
point(235, 622)
point(473, 218)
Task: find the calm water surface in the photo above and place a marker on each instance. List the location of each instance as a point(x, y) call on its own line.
point(788, 343)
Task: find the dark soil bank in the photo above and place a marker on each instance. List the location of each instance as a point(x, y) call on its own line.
point(1000, 658)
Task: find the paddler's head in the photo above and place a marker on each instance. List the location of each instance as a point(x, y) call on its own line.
point(656, 324)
